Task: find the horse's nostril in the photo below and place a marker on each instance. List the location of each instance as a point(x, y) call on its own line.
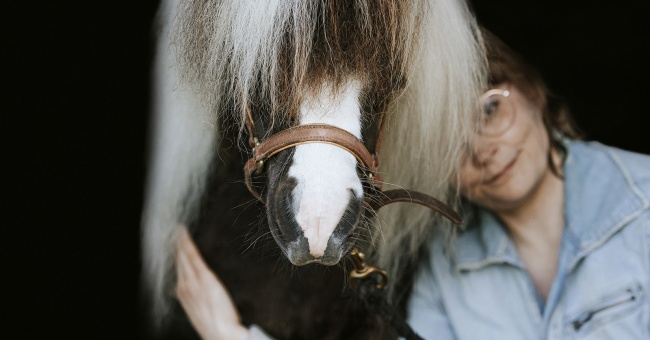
point(285, 219)
point(350, 219)
point(352, 214)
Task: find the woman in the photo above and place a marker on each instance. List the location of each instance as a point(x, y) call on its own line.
point(557, 239)
point(557, 243)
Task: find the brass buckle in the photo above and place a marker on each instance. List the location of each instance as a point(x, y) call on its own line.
point(362, 270)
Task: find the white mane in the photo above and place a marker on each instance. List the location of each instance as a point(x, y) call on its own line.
point(429, 126)
point(423, 152)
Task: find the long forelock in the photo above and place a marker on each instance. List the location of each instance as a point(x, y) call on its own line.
point(274, 54)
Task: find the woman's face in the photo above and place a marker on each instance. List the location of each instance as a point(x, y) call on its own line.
point(504, 169)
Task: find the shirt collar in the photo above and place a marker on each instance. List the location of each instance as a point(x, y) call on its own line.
point(600, 195)
point(489, 244)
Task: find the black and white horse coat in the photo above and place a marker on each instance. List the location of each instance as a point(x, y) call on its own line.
point(416, 64)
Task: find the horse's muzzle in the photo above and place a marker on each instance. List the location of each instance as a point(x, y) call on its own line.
point(305, 243)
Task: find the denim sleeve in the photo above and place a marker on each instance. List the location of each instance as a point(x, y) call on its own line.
point(647, 247)
point(425, 310)
point(257, 333)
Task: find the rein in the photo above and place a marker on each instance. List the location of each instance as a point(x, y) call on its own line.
point(366, 280)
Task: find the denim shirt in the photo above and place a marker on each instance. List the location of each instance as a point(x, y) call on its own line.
point(600, 291)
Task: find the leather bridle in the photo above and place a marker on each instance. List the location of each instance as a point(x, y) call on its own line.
point(329, 134)
point(366, 280)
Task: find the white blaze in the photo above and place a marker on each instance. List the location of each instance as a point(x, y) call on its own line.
point(326, 174)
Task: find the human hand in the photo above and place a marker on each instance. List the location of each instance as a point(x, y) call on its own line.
point(203, 297)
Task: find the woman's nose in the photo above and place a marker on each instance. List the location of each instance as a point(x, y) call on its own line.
point(484, 151)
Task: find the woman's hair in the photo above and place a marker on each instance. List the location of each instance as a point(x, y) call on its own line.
point(507, 66)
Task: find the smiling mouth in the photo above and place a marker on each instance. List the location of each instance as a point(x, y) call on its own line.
point(502, 172)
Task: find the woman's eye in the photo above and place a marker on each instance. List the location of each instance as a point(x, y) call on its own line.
point(490, 107)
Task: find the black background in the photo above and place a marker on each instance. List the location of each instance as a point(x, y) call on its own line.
point(75, 131)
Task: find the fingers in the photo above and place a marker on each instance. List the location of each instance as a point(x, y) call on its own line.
point(185, 269)
point(184, 242)
point(189, 254)
point(193, 274)
point(194, 277)
point(202, 295)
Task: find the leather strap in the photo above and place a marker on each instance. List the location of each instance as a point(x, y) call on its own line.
point(304, 134)
point(314, 133)
point(411, 196)
point(250, 127)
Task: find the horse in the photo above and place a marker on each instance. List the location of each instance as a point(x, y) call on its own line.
point(399, 77)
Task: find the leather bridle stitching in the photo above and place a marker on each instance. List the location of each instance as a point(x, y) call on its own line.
point(364, 157)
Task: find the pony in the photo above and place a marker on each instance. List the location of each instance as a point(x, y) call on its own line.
point(409, 71)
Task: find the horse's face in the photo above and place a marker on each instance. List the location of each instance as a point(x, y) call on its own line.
point(314, 192)
point(302, 62)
